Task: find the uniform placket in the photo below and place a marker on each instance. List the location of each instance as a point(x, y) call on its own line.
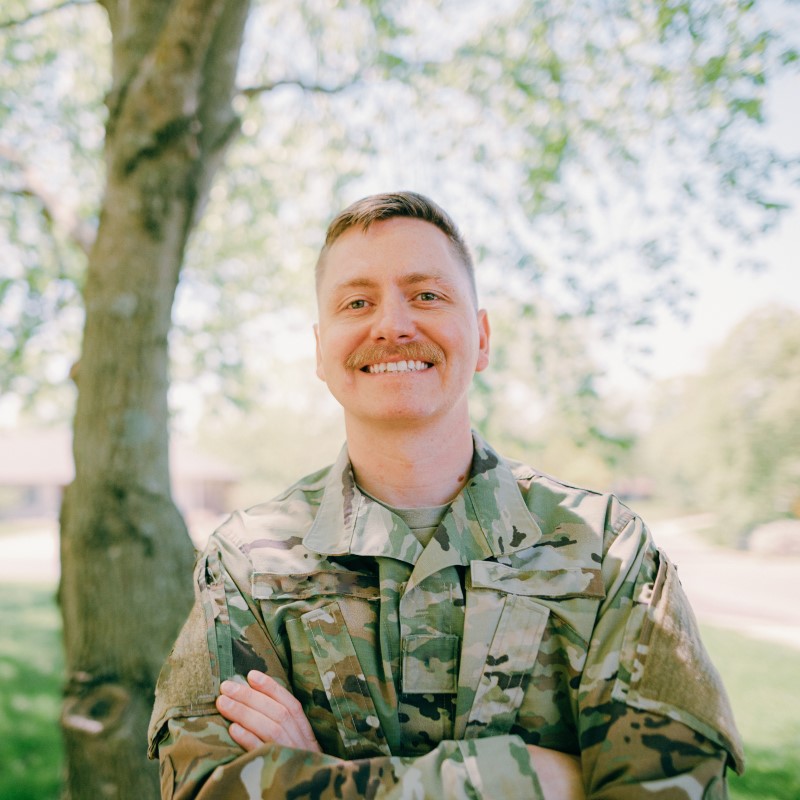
point(431, 627)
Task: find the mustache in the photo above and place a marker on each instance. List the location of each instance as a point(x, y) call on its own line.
point(412, 351)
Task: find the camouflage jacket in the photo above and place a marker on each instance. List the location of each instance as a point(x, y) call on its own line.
point(539, 613)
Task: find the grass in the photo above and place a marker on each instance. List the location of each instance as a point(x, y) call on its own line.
point(761, 679)
point(31, 669)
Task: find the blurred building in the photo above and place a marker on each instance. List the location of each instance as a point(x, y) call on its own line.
point(36, 466)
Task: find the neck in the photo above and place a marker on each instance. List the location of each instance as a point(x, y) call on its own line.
point(411, 467)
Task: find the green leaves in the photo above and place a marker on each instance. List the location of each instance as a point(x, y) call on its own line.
point(729, 439)
point(576, 141)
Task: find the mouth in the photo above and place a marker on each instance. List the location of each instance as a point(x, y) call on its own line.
point(396, 366)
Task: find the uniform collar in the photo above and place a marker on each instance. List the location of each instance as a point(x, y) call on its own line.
point(488, 518)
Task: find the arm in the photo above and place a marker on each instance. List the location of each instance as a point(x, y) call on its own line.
point(263, 712)
point(200, 760)
point(653, 714)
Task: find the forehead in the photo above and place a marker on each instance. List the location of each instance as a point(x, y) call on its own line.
point(397, 248)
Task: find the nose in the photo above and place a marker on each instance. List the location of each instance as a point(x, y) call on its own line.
point(393, 321)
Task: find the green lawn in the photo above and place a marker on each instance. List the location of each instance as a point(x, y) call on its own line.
point(31, 667)
point(761, 679)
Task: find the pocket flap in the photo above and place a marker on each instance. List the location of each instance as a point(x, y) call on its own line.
point(572, 582)
point(266, 586)
point(344, 682)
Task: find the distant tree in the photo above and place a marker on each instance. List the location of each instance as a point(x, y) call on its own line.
point(728, 440)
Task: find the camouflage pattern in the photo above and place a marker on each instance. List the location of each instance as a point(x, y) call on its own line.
point(539, 613)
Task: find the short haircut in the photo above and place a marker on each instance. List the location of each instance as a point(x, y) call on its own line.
point(379, 207)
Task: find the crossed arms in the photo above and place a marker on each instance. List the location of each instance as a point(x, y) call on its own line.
point(263, 713)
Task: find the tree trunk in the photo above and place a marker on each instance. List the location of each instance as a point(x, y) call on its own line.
point(125, 555)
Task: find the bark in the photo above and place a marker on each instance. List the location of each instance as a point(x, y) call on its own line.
point(125, 555)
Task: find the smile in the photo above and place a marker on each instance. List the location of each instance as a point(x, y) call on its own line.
point(397, 366)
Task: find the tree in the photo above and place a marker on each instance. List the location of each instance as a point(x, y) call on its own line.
point(727, 440)
point(123, 541)
point(575, 144)
point(510, 112)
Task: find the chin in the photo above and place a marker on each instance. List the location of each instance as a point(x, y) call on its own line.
point(399, 415)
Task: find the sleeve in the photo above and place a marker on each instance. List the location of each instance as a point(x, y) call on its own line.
point(222, 638)
point(654, 716)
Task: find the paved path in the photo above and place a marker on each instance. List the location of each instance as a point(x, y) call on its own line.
point(754, 594)
point(31, 555)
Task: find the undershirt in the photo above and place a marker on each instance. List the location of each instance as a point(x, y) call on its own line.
point(422, 522)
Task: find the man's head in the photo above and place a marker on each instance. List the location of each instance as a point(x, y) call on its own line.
point(378, 207)
point(400, 335)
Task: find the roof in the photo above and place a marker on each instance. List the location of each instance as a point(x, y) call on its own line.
point(36, 457)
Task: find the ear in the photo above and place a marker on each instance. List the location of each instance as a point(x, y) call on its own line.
point(483, 341)
point(320, 371)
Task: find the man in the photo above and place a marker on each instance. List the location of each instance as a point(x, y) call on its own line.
point(424, 618)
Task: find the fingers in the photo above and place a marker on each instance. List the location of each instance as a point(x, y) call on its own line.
point(286, 709)
point(290, 709)
point(246, 740)
point(264, 711)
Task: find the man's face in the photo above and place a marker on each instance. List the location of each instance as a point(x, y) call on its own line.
point(399, 337)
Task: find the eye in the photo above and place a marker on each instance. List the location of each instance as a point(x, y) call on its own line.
point(428, 296)
point(356, 304)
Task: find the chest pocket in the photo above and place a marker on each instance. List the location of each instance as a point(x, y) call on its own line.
point(505, 622)
point(324, 659)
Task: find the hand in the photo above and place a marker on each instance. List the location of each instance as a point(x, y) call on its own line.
point(264, 712)
point(559, 773)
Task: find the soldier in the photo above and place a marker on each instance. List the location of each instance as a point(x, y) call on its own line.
point(425, 618)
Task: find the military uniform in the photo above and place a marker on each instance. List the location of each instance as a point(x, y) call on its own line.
point(538, 613)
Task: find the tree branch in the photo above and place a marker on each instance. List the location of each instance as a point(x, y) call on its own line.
point(253, 91)
point(53, 210)
point(11, 23)
point(165, 90)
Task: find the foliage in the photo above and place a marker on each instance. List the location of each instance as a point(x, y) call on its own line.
point(52, 75)
point(31, 665)
point(728, 440)
point(545, 129)
point(540, 400)
point(265, 445)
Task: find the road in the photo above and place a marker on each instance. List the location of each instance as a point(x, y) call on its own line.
point(754, 594)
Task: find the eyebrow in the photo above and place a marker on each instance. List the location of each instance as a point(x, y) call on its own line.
point(407, 280)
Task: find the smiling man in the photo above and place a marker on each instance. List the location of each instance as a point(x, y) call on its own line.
point(425, 618)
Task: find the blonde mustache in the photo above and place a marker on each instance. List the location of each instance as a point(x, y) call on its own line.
point(377, 354)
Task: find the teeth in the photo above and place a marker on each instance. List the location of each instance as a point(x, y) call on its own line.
point(397, 366)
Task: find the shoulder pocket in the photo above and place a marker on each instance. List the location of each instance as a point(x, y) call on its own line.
point(186, 685)
point(665, 667)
